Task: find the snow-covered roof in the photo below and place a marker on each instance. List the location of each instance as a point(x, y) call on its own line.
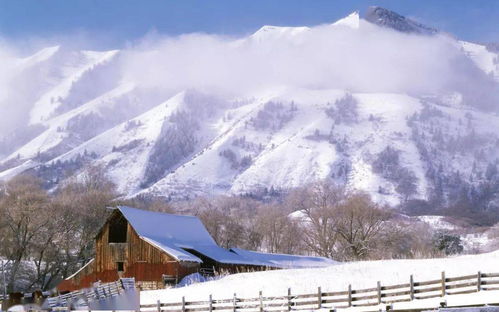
point(174, 234)
point(81, 269)
point(178, 235)
point(285, 261)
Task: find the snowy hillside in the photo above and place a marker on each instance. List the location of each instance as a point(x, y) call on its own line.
point(333, 101)
point(486, 60)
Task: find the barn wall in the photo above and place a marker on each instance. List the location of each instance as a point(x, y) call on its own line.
point(84, 278)
point(141, 260)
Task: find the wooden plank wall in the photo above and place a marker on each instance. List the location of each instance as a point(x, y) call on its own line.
point(141, 260)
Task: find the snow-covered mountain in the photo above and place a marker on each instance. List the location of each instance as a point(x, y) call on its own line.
point(383, 17)
point(323, 118)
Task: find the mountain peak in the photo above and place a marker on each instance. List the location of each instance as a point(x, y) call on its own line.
point(40, 56)
point(352, 20)
point(386, 18)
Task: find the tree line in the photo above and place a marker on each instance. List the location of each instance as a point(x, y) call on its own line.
point(48, 235)
point(319, 219)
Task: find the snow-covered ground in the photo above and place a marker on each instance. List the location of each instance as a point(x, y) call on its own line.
point(334, 278)
point(437, 222)
point(483, 58)
point(473, 239)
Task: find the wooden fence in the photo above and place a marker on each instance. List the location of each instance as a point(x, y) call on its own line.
point(97, 292)
point(377, 295)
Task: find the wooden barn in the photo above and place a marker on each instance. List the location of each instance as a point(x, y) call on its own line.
point(159, 249)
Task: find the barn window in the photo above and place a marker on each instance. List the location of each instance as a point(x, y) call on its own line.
point(117, 230)
point(120, 266)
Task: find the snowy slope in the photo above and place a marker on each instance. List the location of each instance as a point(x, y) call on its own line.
point(39, 57)
point(71, 72)
point(437, 222)
point(268, 33)
point(386, 18)
point(12, 172)
point(486, 60)
point(383, 117)
point(208, 171)
point(54, 136)
point(127, 166)
point(291, 156)
point(352, 21)
point(334, 278)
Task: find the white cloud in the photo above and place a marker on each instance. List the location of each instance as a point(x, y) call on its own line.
point(368, 59)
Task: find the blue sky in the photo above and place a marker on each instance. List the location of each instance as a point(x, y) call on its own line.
point(114, 23)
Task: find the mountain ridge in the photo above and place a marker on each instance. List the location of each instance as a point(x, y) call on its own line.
point(190, 142)
point(386, 18)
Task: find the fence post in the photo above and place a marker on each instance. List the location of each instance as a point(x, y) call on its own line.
point(319, 298)
point(261, 301)
point(443, 284)
point(350, 295)
point(411, 287)
point(211, 303)
point(234, 303)
point(183, 303)
point(479, 281)
point(379, 292)
point(289, 299)
point(158, 306)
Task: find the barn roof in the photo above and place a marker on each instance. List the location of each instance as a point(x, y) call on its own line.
point(183, 237)
point(174, 234)
point(285, 261)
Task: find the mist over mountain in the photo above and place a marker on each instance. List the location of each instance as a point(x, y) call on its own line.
point(382, 104)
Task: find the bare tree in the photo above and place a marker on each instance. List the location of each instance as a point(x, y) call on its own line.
point(339, 224)
point(407, 183)
point(319, 202)
point(152, 204)
point(84, 200)
point(48, 250)
point(360, 225)
point(24, 211)
point(231, 221)
point(280, 233)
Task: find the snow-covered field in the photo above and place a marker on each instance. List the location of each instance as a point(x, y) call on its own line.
point(336, 278)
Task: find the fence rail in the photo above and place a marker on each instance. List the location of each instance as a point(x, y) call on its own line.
point(95, 293)
point(380, 294)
